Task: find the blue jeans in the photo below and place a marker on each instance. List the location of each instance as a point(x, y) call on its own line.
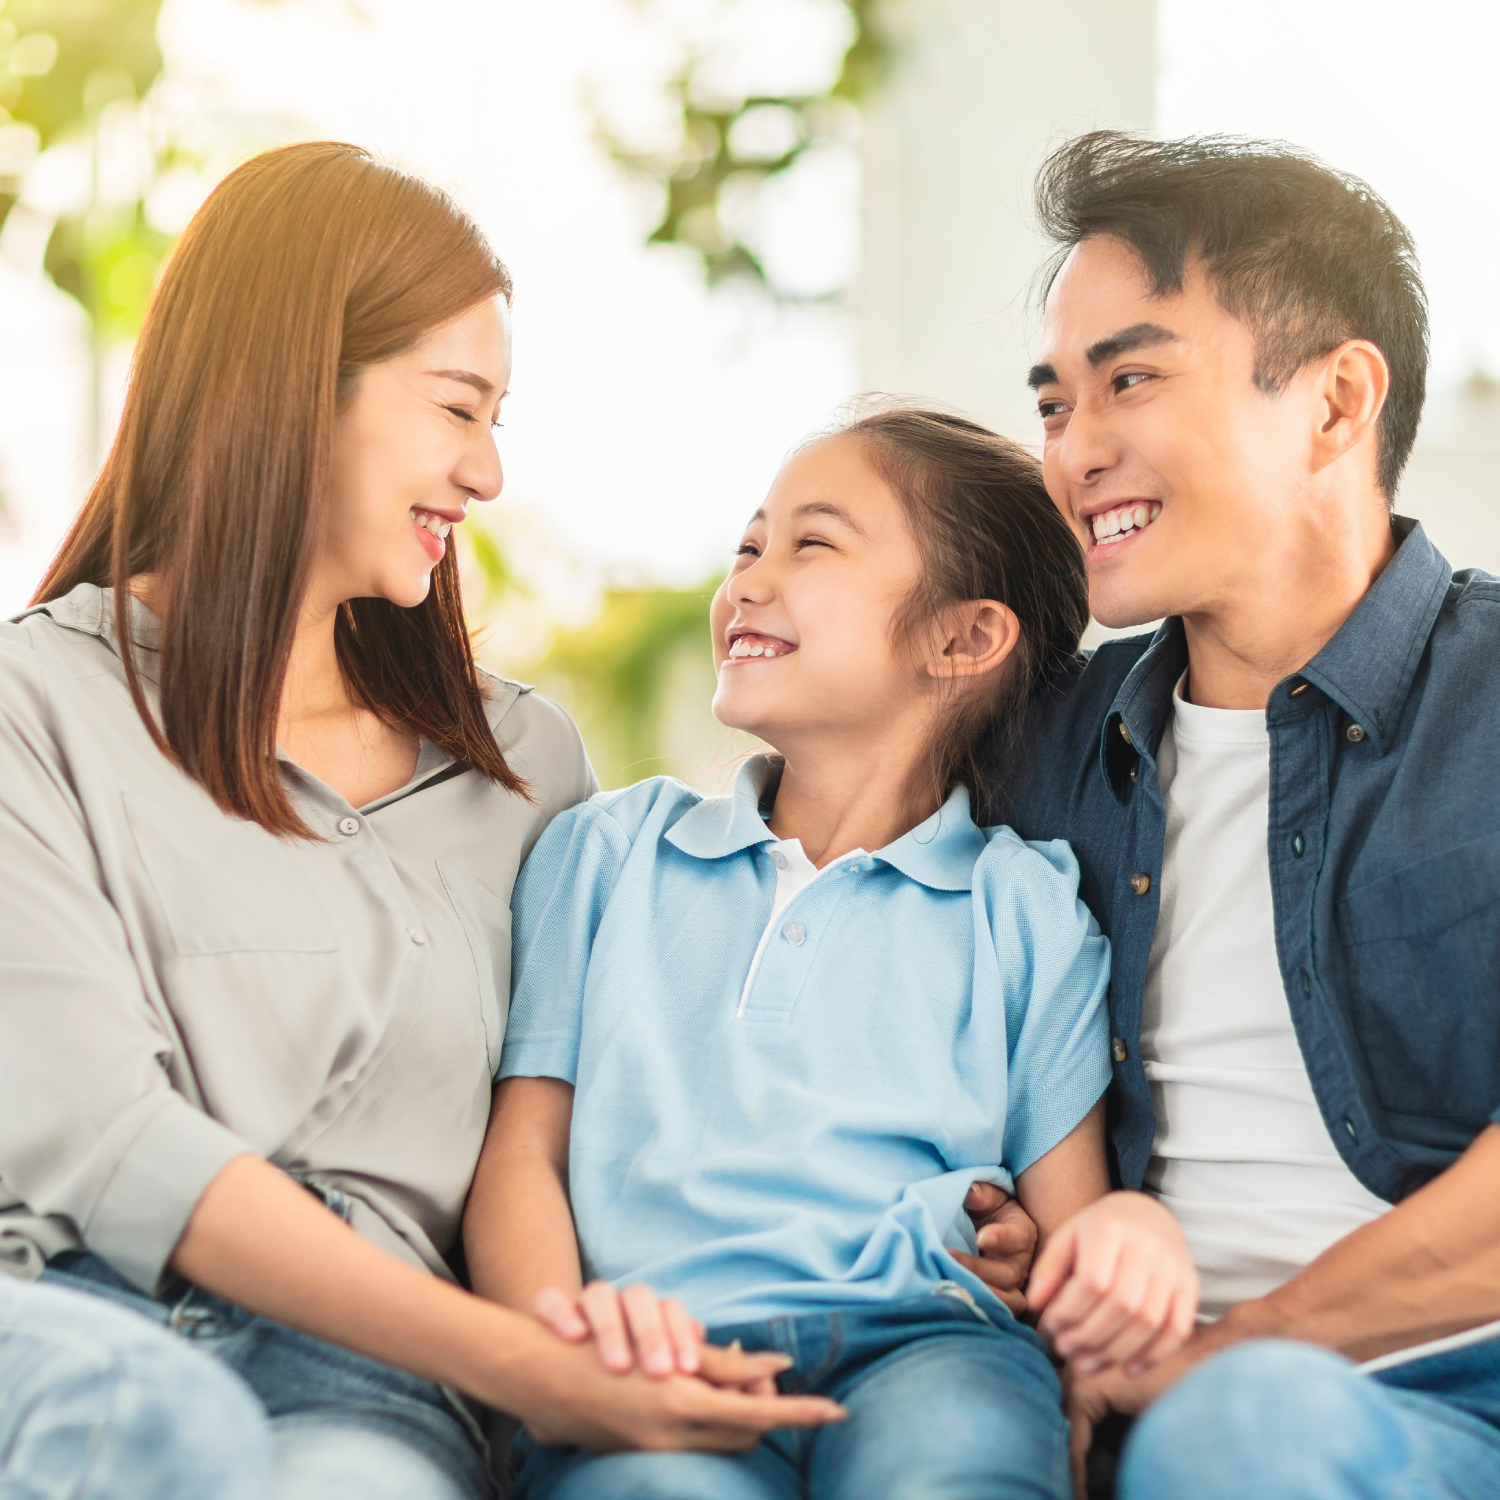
point(96, 1403)
point(1273, 1420)
point(327, 1423)
point(943, 1404)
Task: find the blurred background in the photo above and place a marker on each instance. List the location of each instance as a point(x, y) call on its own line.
point(724, 217)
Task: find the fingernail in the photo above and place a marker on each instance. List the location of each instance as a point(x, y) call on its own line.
point(780, 1361)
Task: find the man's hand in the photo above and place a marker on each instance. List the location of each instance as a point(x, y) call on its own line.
point(1007, 1243)
point(1115, 1285)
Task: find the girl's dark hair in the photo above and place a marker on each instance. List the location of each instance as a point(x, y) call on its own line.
point(985, 528)
point(303, 266)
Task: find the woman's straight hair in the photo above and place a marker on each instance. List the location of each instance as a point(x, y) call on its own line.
point(305, 265)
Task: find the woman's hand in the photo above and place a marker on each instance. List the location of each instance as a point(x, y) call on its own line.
point(566, 1396)
point(635, 1329)
point(1115, 1286)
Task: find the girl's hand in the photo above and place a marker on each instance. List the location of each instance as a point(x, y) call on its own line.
point(634, 1329)
point(1115, 1286)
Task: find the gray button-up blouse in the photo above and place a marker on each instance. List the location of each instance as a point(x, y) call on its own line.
point(178, 987)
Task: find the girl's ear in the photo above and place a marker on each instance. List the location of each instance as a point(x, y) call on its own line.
point(974, 638)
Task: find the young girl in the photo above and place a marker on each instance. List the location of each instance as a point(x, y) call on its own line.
point(802, 1019)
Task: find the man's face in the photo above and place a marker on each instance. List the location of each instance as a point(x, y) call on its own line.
point(1181, 477)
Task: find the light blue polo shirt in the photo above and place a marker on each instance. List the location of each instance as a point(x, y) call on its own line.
point(919, 1017)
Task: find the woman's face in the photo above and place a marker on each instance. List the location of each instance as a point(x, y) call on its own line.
point(803, 627)
point(412, 446)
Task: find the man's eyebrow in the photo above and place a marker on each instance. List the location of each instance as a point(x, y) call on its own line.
point(1041, 375)
point(1137, 336)
point(465, 377)
point(828, 508)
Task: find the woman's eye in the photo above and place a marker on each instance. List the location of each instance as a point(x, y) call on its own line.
point(459, 411)
point(811, 541)
point(747, 549)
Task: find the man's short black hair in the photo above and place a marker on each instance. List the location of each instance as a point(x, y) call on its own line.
point(1306, 256)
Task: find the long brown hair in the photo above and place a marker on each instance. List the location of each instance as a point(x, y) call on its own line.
point(304, 265)
point(985, 528)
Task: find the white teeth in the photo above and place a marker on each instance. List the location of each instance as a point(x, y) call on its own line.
point(744, 647)
point(429, 522)
point(1125, 520)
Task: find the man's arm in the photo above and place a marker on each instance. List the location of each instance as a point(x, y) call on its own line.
point(1428, 1268)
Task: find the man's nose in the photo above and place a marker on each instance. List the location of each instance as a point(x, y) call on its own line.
point(1088, 449)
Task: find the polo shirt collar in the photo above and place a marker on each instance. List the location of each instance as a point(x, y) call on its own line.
point(720, 826)
point(1368, 666)
point(940, 853)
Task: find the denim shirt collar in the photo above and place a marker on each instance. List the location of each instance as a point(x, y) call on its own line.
point(1367, 668)
point(940, 853)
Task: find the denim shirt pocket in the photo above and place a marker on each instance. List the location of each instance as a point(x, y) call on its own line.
point(1423, 948)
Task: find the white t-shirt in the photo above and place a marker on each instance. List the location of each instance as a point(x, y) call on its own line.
point(1242, 1156)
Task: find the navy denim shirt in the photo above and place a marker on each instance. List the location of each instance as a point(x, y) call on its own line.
point(1384, 841)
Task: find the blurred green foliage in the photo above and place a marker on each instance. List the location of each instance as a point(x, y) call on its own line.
point(100, 52)
point(618, 669)
point(709, 158)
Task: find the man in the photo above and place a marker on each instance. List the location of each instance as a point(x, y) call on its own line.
point(1286, 803)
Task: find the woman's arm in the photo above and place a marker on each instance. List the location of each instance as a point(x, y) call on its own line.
point(261, 1241)
point(1113, 1280)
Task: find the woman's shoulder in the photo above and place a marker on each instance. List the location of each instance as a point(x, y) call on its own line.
point(540, 742)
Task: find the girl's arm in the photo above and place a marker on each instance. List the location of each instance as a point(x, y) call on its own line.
point(518, 1227)
point(262, 1241)
point(522, 1250)
point(1113, 1280)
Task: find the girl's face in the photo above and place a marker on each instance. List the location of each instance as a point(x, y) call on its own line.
point(412, 446)
point(803, 627)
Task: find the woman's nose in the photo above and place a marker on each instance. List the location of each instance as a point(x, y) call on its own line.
point(482, 473)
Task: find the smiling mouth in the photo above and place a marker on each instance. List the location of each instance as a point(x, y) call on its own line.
point(432, 532)
point(753, 645)
point(1128, 519)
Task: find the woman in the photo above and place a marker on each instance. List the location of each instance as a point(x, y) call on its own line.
point(259, 819)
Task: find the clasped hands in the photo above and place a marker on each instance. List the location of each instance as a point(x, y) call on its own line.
point(1112, 1291)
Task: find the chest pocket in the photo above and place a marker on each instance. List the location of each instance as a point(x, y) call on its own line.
point(1423, 948)
point(486, 923)
point(226, 886)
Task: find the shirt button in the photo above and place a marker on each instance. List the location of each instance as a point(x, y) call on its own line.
point(415, 934)
point(1306, 981)
point(1140, 883)
point(1118, 1050)
point(1125, 734)
point(349, 826)
point(795, 933)
point(778, 859)
point(1297, 845)
point(1354, 734)
point(1349, 1126)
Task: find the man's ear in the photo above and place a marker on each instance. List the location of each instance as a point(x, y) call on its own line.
point(974, 638)
point(1352, 383)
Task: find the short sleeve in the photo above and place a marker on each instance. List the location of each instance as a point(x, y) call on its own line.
point(1056, 1005)
point(556, 908)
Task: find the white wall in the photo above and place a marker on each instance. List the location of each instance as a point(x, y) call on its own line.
point(983, 90)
